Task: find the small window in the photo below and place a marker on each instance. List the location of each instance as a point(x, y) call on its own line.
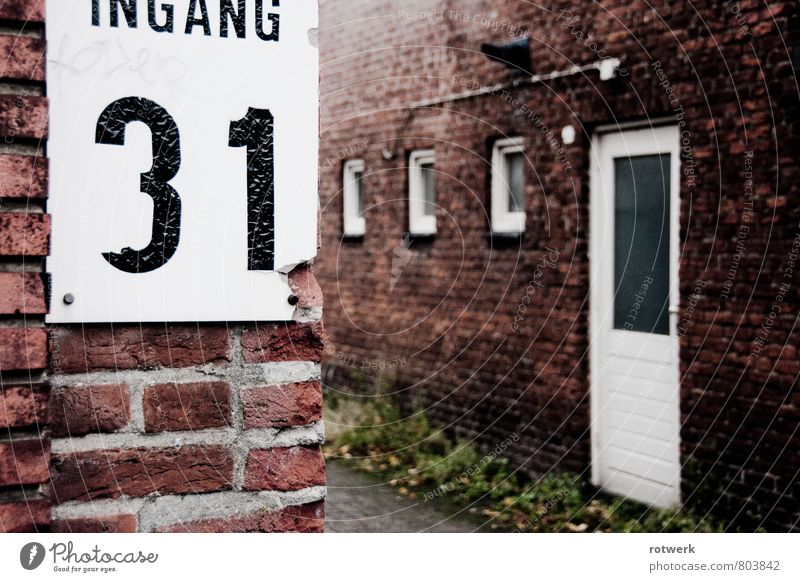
point(353, 192)
point(422, 193)
point(508, 186)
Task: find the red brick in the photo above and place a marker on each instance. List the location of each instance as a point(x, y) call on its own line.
point(304, 285)
point(22, 293)
point(22, 406)
point(286, 342)
point(23, 117)
point(21, 57)
point(139, 472)
point(444, 308)
point(123, 523)
point(23, 176)
point(24, 234)
point(81, 410)
point(23, 349)
point(281, 406)
point(22, 10)
point(195, 406)
point(284, 469)
point(24, 516)
point(307, 518)
point(90, 348)
point(24, 462)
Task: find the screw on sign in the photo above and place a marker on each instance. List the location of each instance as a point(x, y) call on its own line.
point(176, 222)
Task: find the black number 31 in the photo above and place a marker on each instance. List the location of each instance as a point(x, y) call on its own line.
point(255, 131)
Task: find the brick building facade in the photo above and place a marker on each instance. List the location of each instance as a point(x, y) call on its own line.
point(154, 427)
point(439, 320)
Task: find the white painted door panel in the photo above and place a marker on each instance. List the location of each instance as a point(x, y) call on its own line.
point(634, 266)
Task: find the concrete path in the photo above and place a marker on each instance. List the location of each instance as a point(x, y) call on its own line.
point(357, 504)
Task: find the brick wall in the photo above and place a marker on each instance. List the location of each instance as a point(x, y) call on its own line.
point(187, 427)
point(125, 428)
point(24, 229)
point(434, 326)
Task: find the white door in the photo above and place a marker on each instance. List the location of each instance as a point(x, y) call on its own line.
point(634, 350)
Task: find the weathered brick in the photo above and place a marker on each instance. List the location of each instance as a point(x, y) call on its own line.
point(22, 10)
point(138, 472)
point(287, 342)
point(194, 406)
point(432, 320)
point(22, 406)
point(24, 462)
point(21, 58)
point(24, 516)
point(23, 117)
point(282, 406)
point(23, 349)
point(22, 294)
point(284, 469)
point(24, 234)
point(304, 285)
point(121, 523)
point(90, 348)
point(80, 410)
point(23, 176)
point(307, 518)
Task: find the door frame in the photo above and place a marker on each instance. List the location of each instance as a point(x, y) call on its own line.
point(600, 323)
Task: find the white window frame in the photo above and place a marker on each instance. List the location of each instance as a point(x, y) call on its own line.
point(353, 223)
point(418, 221)
point(503, 220)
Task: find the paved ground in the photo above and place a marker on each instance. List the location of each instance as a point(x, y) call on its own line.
point(357, 504)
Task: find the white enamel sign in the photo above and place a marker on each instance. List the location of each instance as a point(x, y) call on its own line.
point(183, 157)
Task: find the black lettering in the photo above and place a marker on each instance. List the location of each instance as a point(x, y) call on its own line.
point(192, 21)
point(226, 12)
point(128, 10)
point(275, 19)
point(161, 17)
point(169, 10)
point(255, 132)
point(95, 12)
point(166, 231)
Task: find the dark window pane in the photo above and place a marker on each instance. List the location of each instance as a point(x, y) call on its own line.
point(359, 194)
point(642, 241)
point(429, 185)
point(516, 182)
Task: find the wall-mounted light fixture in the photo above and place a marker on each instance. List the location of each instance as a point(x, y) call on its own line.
point(516, 55)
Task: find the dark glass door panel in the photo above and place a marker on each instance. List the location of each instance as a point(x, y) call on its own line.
point(642, 243)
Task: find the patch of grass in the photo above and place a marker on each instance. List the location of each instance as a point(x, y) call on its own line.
point(421, 462)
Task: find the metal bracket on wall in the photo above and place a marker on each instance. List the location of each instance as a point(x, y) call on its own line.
point(608, 69)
